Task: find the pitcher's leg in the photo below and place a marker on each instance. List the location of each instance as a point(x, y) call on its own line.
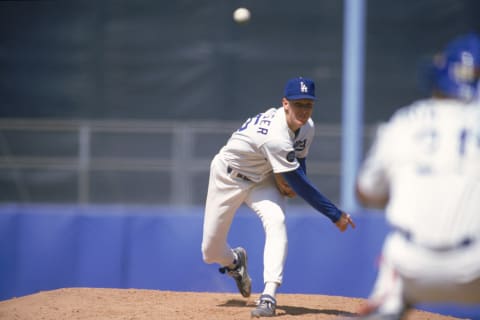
point(269, 204)
point(224, 197)
point(276, 243)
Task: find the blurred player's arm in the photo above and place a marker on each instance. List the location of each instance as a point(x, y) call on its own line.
point(372, 185)
point(371, 200)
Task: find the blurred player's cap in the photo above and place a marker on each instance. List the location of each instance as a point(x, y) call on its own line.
point(300, 88)
point(456, 71)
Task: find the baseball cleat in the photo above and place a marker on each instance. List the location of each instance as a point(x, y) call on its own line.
point(240, 273)
point(265, 307)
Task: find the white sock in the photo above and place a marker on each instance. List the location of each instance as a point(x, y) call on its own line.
point(270, 288)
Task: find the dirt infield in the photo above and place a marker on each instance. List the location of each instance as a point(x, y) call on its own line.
point(133, 304)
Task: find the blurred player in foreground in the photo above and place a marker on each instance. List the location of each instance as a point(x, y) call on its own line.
point(261, 165)
point(425, 167)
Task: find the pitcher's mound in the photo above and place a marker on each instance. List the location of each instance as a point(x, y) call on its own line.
point(133, 304)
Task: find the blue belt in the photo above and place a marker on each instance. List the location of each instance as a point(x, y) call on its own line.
point(461, 244)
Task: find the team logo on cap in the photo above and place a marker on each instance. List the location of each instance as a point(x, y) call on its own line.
point(303, 87)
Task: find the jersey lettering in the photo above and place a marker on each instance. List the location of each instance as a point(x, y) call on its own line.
point(468, 141)
point(427, 140)
point(430, 144)
point(257, 118)
point(463, 140)
point(245, 124)
point(262, 130)
point(262, 121)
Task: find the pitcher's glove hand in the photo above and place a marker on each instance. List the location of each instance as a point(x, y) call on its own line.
point(283, 187)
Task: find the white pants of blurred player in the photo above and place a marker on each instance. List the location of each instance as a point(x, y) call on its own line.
point(410, 274)
point(226, 194)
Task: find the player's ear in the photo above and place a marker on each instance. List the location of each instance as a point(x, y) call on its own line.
point(285, 103)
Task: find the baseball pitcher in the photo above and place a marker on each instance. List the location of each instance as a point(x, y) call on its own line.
point(262, 164)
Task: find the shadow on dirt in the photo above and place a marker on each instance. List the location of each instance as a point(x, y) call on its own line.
point(288, 310)
point(295, 311)
point(236, 303)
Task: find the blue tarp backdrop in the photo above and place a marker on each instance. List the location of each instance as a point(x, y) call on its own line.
point(56, 246)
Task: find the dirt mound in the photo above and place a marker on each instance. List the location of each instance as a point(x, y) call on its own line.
point(133, 304)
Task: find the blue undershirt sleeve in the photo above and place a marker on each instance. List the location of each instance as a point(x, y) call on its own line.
point(304, 188)
point(303, 164)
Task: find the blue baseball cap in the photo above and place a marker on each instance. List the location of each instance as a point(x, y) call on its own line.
point(300, 88)
point(456, 71)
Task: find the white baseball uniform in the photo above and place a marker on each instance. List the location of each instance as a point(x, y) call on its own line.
point(427, 158)
point(242, 172)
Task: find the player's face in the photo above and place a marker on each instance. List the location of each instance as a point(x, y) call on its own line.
point(297, 112)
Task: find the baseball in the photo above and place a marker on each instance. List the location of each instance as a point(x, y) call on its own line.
point(241, 15)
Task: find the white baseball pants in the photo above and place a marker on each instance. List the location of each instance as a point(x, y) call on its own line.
point(225, 195)
point(412, 274)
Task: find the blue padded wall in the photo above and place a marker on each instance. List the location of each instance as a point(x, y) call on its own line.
point(55, 246)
